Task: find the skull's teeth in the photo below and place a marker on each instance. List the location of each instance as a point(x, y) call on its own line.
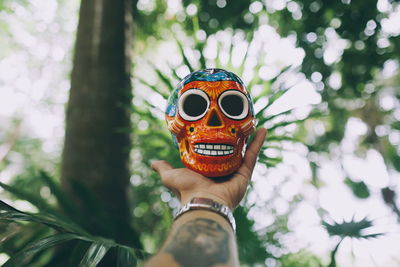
point(213, 149)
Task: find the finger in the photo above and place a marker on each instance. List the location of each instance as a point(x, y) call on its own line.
point(250, 157)
point(161, 166)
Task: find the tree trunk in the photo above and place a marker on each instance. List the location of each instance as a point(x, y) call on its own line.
point(95, 162)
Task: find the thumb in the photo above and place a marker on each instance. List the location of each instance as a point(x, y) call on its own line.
point(250, 157)
point(161, 166)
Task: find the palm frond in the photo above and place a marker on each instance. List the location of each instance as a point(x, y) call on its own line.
point(34, 199)
point(164, 78)
point(184, 57)
point(352, 228)
point(154, 88)
point(63, 200)
point(37, 246)
point(65, 231)
point(125, 258)
point(94, 254)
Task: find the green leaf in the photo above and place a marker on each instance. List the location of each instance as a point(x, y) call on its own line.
point(164, 78)
point(266, 89)
point(185, 59)
point(217, 59)
point(62, 199)
point(273, 80)
point(200, 47)
point(230, 52)
point(271, 100)
point(149, 105)
point(174, 73)
point(37, 246)
point(396, 125)
point(352, 228)
point(77, 253)
point(125, 258)
point(59, 224)
point(372, 235)
point(243, 63)
point(39, 202)
point(273, 138)
point(284, 123)
point(263, 120)
point(359, 189)
point(303, 258)
point(154, 88)
point(252, 249)
point(6, 207)
point(15, 237)
point(392, 156)
point(270, 162)
point(94, 254)
point(256, 78)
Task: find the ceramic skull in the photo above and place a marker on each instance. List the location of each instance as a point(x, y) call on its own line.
point(210, 115)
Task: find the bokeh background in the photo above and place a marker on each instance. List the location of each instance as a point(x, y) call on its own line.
point(325, 79)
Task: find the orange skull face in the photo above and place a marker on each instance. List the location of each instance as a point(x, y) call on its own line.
point(212, 121)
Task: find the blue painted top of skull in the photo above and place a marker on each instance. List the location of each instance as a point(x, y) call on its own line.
point(211, 75)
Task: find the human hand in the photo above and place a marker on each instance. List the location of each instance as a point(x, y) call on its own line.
point(187, 184)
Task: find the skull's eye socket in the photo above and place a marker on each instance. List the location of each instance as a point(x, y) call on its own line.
point(193, 104)
point(234, 104)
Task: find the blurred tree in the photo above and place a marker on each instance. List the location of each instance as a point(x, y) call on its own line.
point(95, 160)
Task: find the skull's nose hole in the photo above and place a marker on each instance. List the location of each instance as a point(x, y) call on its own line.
point(214, 120)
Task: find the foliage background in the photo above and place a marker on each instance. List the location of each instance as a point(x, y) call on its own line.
point(328, 177)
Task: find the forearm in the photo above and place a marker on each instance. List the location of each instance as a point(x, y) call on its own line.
point(198, 238)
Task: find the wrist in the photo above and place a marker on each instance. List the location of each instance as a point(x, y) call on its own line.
point(210, 205)
point(186, 198)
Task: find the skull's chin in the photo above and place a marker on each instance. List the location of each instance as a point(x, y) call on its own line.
point(216, 168)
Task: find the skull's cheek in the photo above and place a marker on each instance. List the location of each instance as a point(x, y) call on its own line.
point(248, 127)
point(185, 150)
point(175, 126)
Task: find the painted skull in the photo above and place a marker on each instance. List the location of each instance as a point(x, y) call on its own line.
point(210, 115)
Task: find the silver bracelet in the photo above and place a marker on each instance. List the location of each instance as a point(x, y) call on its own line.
point(199, 203)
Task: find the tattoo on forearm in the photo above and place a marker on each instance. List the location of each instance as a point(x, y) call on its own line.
point(199, 243)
